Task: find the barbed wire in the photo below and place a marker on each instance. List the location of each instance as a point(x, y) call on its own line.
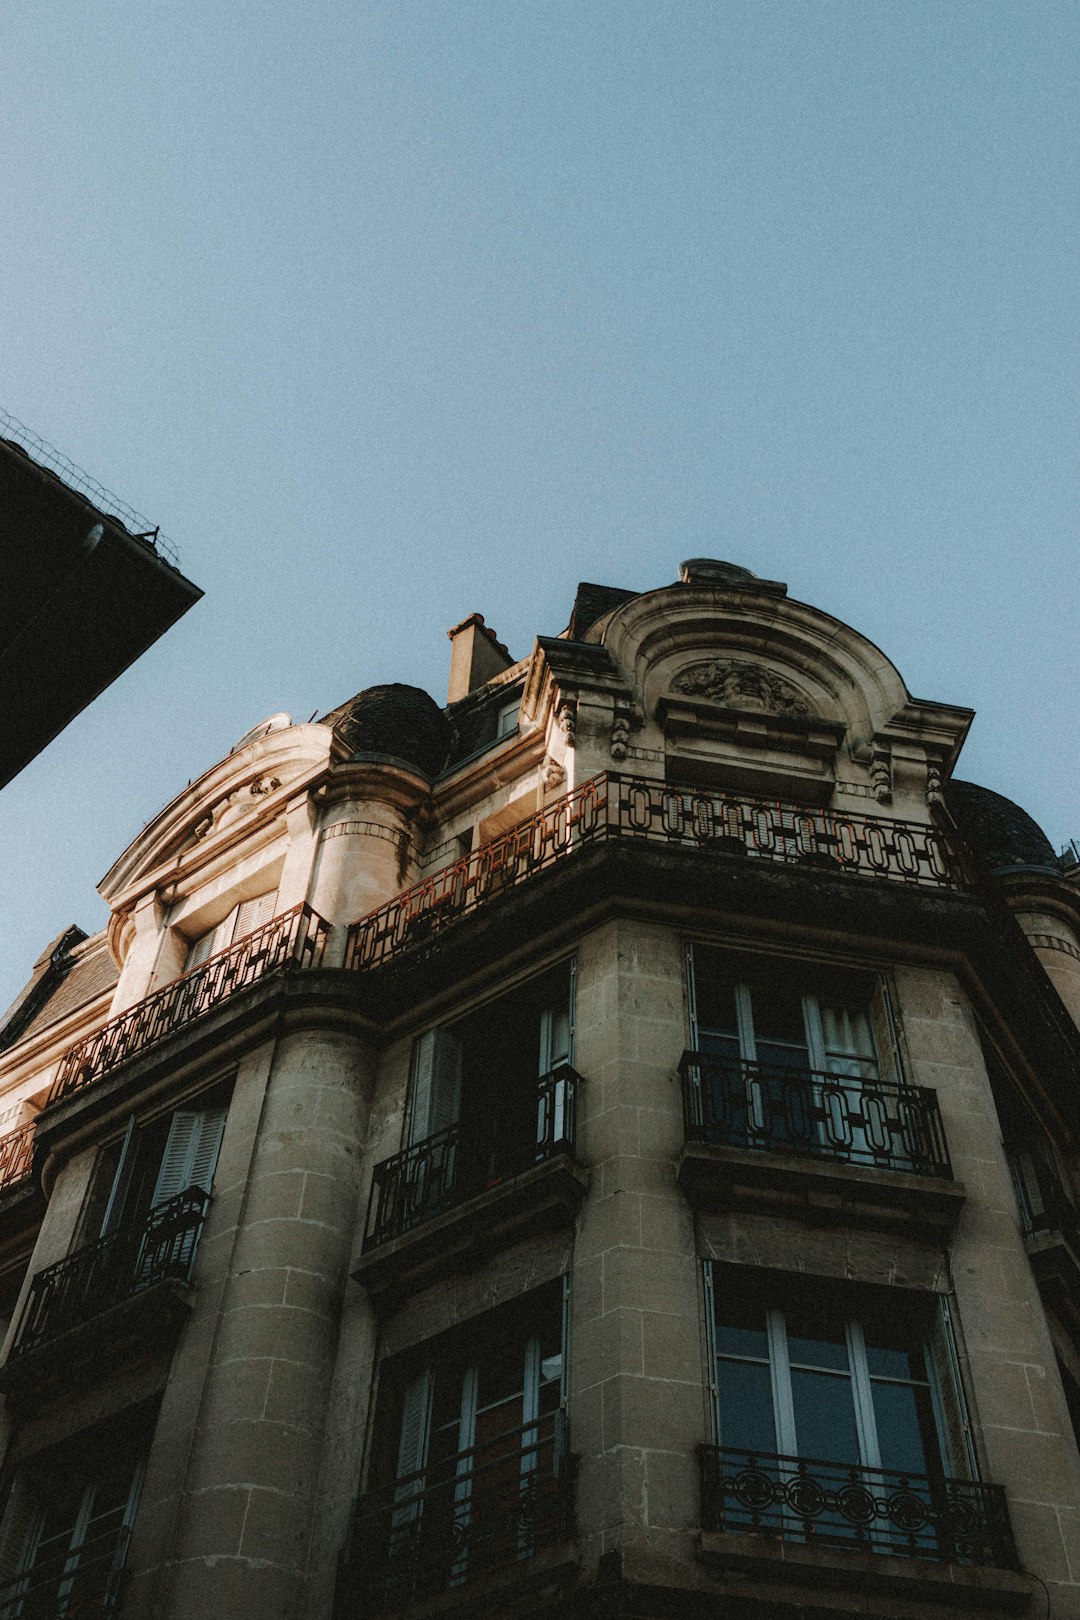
point(46, 455)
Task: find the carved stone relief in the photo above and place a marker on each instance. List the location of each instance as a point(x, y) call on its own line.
point(741, 686)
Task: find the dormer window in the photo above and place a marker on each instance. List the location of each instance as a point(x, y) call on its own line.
point(508, 718)
point(242, 920)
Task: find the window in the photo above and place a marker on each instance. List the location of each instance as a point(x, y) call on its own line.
point(154, 1164)
point(469, 1464)
point(242, 920)
point(64, 1534)
point(839, 1415)
point(489, 1096)
point(800, 1058)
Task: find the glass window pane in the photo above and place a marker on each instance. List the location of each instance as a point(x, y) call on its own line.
point(714, 991)
point(815, 1331)
point(746, 1411)
point(895, 1341)
point(778, 1009)
point(740, 1324)
point(824, 1417)
point(907, 1435)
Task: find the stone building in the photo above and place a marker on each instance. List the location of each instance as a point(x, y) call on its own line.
point(600, 1147)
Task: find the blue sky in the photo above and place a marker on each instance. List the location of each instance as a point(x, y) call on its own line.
point(389, 313)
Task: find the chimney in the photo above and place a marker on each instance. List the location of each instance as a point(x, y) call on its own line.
point(477, 656)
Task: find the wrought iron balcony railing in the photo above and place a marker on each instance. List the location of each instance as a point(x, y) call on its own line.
point(487, 1507)
point(87, 1282)
point(813, 1113)
point(620, 807)
point(1045, 1206)
point(296, 938)
point(16, 1156)
point(73, 1584)
point(450, 1167)
point(880, 1510)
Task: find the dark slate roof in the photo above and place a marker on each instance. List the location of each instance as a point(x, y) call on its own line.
point(1002, 835)
point(475, 719)
point(394, 722)
point(69, 973)
point(592, 602)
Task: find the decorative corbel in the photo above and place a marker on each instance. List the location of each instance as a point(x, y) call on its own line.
point(628, 717)
point(552, 773)
point(263, 785)
point(881, 773)
point(934, 794)
point(566, 715)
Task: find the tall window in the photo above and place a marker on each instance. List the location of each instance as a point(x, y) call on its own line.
point(64, 1534)
point(469, 1464)
point(489, 1095)
point(798, 1056)
point(855, 1391)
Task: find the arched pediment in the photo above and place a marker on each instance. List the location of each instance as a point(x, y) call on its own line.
point(746, 649)
point(249, 786)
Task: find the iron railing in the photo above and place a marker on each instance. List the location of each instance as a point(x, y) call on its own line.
point(76, 1583)
point(882, 1510)
point(817, 1114)
point(296, 938)
point(487, 1507)
point(87, 1282)
point(610, 806)
point(46, 455)
point(1045, 1206)
point(16, 1155)
point(450, 1167)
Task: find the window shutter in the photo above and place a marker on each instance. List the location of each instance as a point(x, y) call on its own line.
point(413, 1446)
point(881, 1020)
point(554, 1037)
point(191, 1151)
point(207, 1146)
point(957, 1444)
point(252, 914)
point(436, 1084)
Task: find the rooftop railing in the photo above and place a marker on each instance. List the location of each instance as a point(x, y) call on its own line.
point(452, 1166)
point(46, 455)
point(815, 1114)
point(877, 1510)
point(297, 937)
point(16, 1156)
point(489, 1506)
point(88, 1281)
point(613, 807)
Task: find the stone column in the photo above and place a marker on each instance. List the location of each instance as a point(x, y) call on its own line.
point(637, 1400)
point(226, 1520)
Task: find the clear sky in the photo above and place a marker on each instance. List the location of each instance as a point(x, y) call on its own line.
point(393, 312)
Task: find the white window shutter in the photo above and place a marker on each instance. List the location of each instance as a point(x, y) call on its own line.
point(954, 1421)
point(191, 1151)
point(206, 1148)
point(436, 1084)
point(252, 914)
point(413, 1446)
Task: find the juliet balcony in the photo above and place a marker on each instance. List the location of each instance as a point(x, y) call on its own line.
point(915, 1535)
point(126, 1289)
point(495, 1509)
point(766, 1136)
point(473, 1189)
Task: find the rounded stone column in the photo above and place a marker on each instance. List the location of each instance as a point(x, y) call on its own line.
point(265, 1358)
